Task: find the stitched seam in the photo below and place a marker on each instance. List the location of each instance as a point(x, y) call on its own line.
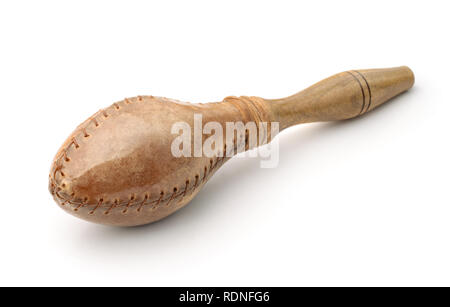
point(80, 132)
point(161, 200)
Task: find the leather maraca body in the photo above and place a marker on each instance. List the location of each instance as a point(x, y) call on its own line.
point(117, 167)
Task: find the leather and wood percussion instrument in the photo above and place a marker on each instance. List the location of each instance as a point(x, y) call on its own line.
point(117, 167)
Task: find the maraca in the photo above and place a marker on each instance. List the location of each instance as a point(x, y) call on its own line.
point(119, 168)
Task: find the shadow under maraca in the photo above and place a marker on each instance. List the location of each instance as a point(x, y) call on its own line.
point(188, 223)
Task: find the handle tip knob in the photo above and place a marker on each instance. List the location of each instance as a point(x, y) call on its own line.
point(384, 84)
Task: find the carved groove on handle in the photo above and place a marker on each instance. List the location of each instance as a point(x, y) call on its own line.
point(368, 87)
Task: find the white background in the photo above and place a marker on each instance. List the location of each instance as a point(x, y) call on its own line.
point(362, 202)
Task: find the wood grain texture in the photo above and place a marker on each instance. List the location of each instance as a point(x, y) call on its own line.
point(342, 96)
point(116, 168)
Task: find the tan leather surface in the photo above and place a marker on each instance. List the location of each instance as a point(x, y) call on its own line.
point(117, 168)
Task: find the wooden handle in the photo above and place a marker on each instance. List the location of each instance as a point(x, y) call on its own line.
point(342, 96)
